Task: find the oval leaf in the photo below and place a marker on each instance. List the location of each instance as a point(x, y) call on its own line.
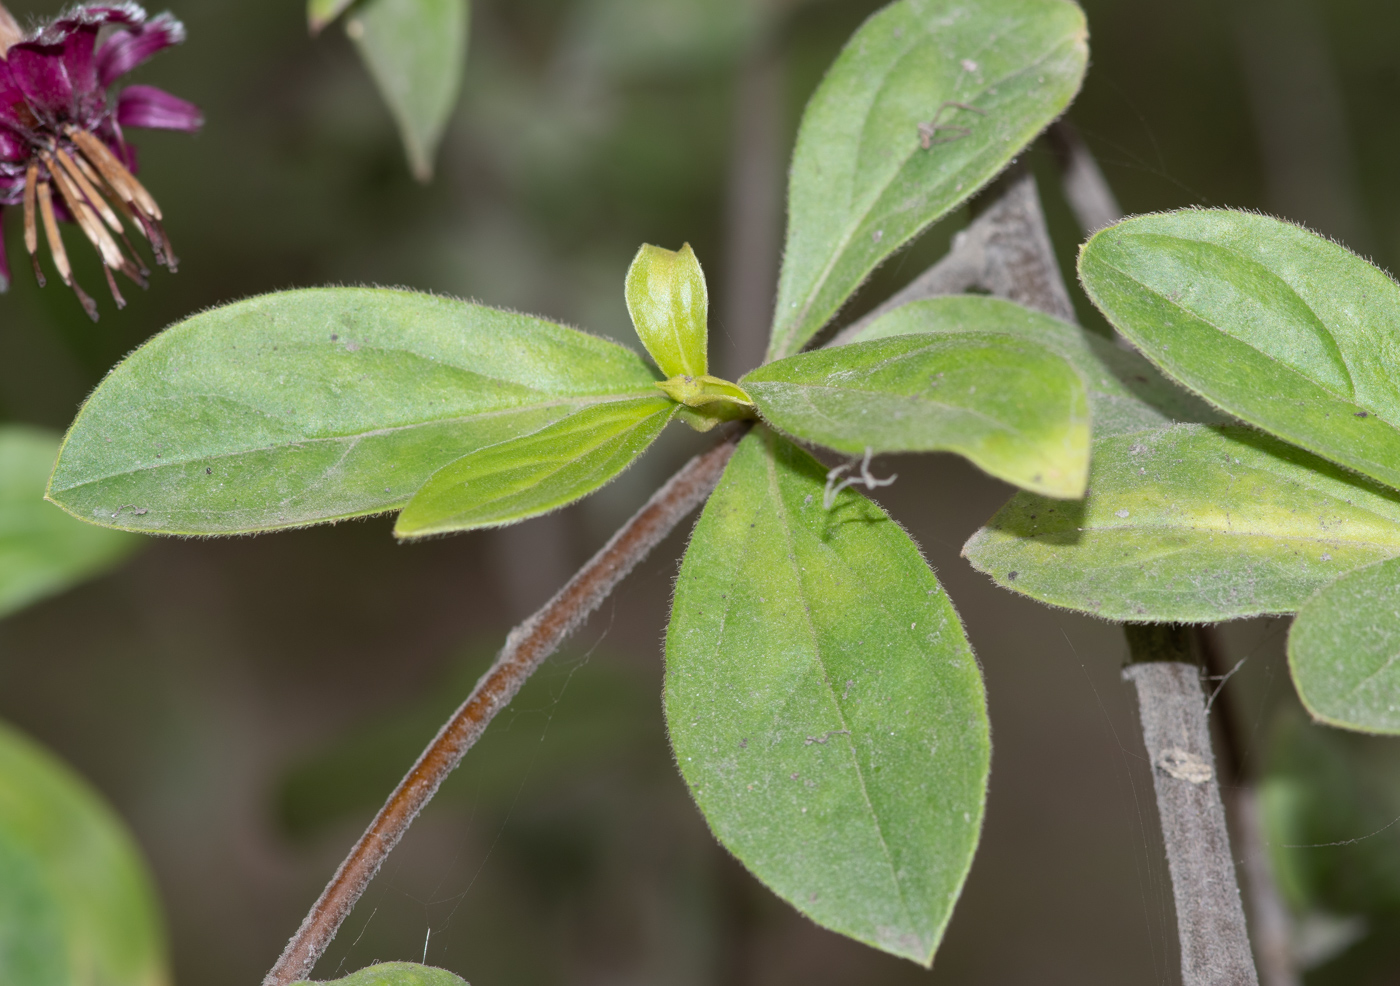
point(1344, 650)
point(415, 50)
point(824, 705)
point(669, 305)
point(42, 550)
point(1013, 407)
point(926, 103)
point(76, 904)
point(395, 974)
point(310, 406)
point(1126, 393)
point(528, 476)
point(1191, 524)
point(1275, 324)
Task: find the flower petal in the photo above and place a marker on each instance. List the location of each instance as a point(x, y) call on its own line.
point(39, 72)
point(13, 109)
point(147, 106)
point(13, 147)
point(125, 50)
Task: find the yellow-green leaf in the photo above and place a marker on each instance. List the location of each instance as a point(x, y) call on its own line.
point(537, 473)
point(1191, 524)
point(669, 304)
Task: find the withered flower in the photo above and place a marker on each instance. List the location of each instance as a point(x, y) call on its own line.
point(62, 150)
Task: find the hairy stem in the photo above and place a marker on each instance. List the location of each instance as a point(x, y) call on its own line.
point(1209, 916)
point(525, 649)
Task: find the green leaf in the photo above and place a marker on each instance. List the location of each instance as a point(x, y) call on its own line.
point(669, 305)
point(415, 50)
point(862, 182)
point(310, 406)
point(537, 473)
point(395, 974)
point(1013, 407)
point(76, 904)
point(43, 551)
point(319, 13)
point(1275, 324)
point(1126, 392)
point(824, 705)
point(1344, 650)
point(1191, 524)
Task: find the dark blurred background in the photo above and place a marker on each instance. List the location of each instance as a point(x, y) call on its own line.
point(246, 703)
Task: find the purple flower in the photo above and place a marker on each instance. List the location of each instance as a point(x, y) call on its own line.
point(63, 155)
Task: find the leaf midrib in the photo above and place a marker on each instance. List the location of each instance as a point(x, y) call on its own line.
point(876, 197)
point(354, 437)
point(780, 506)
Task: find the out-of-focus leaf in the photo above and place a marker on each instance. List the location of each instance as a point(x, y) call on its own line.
point(310, 406)
point(1330, 800)
point(824, 705)
point(395, 974)
point(76, 904)
point(42, 550)
point(1269, 321)
point(1015, 408)
point(887, 144)
point(415, 50)
point(532, 475)
point(1344, 650)
point(628, 38)
point(669, 304)
point(1191, 524)
point(1126, 392)
point(319, 13)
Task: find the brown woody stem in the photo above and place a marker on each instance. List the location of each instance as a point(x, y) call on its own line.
point(525, 649)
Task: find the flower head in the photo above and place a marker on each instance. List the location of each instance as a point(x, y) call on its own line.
point(63, 155)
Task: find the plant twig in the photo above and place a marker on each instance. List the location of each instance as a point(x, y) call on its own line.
point(525, 649)
point(1086, 190)
point(1209, 916)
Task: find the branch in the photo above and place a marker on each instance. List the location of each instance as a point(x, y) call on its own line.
point(1209, 916)
point(1086, 190)
point(525, 649)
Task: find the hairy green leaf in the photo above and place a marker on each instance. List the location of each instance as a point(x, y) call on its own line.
point(824, 705)
point(319, 13)
point(395, 974)
point(1126, 392)
point(537, 473)
point(669, 305)
point(310, 406)
point(1275, 324)
point(415, 50)
point(1344, 650)
point(42, 550)
point(1191, 524)
point(926, 103)
point(76, 903)
point(1014, 407)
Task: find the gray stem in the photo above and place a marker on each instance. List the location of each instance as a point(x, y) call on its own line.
point(1209, 916)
